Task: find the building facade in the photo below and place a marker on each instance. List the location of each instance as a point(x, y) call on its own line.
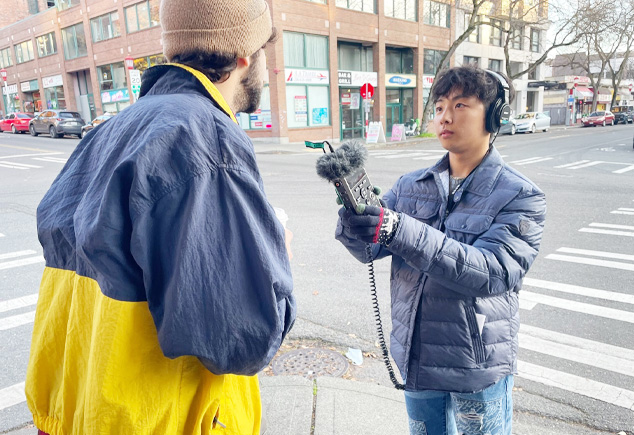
point(71, 56)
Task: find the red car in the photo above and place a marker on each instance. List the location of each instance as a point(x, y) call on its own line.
point(16, 122)
point(598, 118)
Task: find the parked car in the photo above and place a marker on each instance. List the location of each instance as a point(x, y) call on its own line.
point(509, 127)
point(95, 122)
point(623, 114)
point(531, 122)
point(17, 122)
point(57, 123)
point(598, 118)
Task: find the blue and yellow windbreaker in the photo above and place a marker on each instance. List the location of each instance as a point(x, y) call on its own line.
point(161, 251)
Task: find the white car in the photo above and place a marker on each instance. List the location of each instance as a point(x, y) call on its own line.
point(531, 122)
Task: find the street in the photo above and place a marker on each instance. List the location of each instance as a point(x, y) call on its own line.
point(577, 303)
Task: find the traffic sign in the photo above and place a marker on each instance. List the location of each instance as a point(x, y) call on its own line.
point(367, 91)
point(135, 80)
point(3, 72)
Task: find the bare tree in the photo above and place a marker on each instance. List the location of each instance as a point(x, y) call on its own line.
point(624, 25)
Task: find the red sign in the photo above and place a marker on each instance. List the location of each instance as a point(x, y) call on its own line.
point(630, 87)
point(367, 91)
point(3, 72)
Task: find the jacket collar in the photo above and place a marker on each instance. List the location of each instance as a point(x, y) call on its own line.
point(481, 181)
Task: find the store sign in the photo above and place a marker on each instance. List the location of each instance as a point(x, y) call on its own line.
point(357, 78)
point(53, 81)
point(577, 79)
point(355, 101)
point(604, 98)
point(25, 86)
point(115, 96)
point(11, 89)
point(400, 80)
point(428, 81)
point(346, 99)
point(301, 113)
point(307, 76)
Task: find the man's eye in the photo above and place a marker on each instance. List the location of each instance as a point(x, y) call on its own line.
point(438, 109)
point(460, 105)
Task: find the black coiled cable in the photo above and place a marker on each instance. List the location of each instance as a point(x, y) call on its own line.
point(377, 319)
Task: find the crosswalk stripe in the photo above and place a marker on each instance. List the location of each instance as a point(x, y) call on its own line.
point(591, 261)
point(586, 165)
point(1, 235)
point(577, 384)
point(23, 165)
point(530, 159)
point(17, 320)
point(597, 253)
point(51, 159)
point(16, 254)
point(625, 209)
point(609, 232)
point(535, 161)
point(6, 165)
point(400, 156)
point(573, 353)
point(629, 213)
point(426, 158)
point(578, 307)
point(23, 262)
point(14, 304)
point(12, 395)
point(567, 165)
point(622, 171)
point(614, 226)
point(581, 291)
point(578, 342)
point(30, 155)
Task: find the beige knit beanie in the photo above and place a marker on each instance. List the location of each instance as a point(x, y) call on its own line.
point(238, 27)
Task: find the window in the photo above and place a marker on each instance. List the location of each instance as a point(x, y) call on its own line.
point(24, 52)
point(66, 4)
point(470, 60)
point(74, 41)
point(112, 77)
point(403, 9)
point(5, 58)
point(46, 45)
point(34, 7)
point(475, 35)
point(303, 50)
point(144, 63)
point(142, 15)
point(50, 3)
point(307, 106)
point(357, 5)
point(431, 61)
point(436, 14)
point(399, 61)
point(495, 65)
point(517, 35)
point(534, 74)
point(496, 33)
point(105, 27)
point(535, 40)
point(516, 67)
point(261, 118)
point(355, 57)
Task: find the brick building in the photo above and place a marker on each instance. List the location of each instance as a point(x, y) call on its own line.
point(72, 56)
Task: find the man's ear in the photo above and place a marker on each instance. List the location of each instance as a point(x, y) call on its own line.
point(244, 62)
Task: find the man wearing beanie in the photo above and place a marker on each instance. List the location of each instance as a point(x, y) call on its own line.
point(167, 284)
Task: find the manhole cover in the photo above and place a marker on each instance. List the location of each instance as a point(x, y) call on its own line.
point(311, 363)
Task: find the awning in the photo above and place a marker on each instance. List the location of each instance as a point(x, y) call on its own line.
point(584, 92)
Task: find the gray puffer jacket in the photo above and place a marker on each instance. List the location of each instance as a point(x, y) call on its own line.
point(455, 308)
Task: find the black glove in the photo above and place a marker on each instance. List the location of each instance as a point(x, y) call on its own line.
point(373, 225)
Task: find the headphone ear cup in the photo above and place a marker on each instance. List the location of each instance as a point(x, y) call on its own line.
point(493, 116)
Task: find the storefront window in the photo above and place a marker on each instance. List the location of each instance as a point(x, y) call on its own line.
point(74, 41)
point(5, 58)
point(353, 114)
point(142, 15)
point(113, 85)
point(357, 5)
point(55, 98)
point(46, 45)
point(105, 27)
point(305, 50)
point(261, 118)
point(437, 14)
point(403, 9)
point(24, 52)
point(308, 106)
point(143, 63)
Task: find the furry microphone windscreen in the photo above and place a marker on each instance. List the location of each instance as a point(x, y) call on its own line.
point(348, 158)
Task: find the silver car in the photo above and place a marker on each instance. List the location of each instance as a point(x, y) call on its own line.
point(57, 123)
point(531, 122)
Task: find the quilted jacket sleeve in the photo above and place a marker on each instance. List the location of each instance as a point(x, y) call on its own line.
point(495, 263)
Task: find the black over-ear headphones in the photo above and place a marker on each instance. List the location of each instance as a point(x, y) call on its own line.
point(499, 110)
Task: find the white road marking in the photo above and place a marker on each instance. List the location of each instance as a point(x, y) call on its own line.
point(12, 395)
point(577, 384)
point(610, 232)
point(530, 159)
point(526, 305)
point(23, 262)
point(621, 171)
point(1, 235)
point(578, 342)
point(383, 153)
point(571, 352)
point(427, 158)
point(581, 291)
point(16, 254)
point(578, 307)
point(572, 164)
point(20, 165)
point(17, 320)
point(586, 165)
point(6, 165)
point(51, 159)
point(613, 226)
point(603, 254)
point(534, 161)
point(625, 209)
point(591, 261)
point(31, 155)
point(400, 156)
point(629, 213)
point(14, 304)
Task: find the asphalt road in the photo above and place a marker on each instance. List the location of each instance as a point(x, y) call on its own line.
point(577, 340)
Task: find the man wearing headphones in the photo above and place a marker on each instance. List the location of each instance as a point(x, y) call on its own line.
point(462, 235)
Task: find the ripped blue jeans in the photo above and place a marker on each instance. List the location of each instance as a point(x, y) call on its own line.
point(487, 412)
